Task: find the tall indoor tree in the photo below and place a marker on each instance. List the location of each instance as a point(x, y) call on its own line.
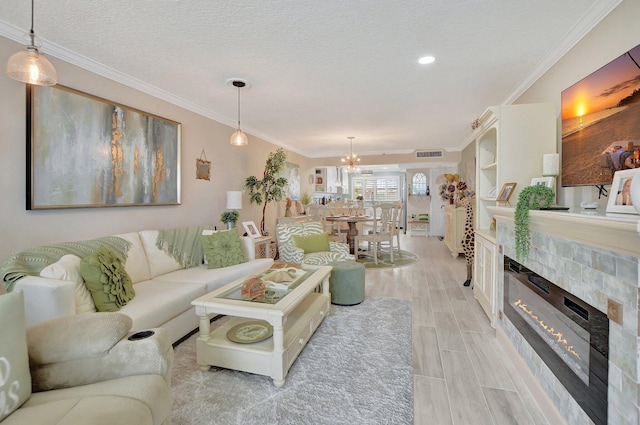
point(271, 187)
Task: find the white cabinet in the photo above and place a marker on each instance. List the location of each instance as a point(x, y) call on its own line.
point(321, 180)
point(330, 180)
point(510, 143)
point(485, 269)
point(454, 218)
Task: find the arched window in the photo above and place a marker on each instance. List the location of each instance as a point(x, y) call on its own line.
point(419, 185)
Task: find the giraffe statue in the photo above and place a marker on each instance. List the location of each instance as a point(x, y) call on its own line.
point(468, 238)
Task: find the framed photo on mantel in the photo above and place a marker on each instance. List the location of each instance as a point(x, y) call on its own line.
point(506, 192)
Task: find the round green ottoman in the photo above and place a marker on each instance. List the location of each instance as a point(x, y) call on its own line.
point(346, 283)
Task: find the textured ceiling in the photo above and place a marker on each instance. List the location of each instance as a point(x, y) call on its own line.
point(319, 70)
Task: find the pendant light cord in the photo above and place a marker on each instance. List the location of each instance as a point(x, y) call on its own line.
point(238, 106)
point(31, 33)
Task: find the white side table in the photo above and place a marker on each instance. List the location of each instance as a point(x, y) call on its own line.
point(263, 241)
point(419, 226)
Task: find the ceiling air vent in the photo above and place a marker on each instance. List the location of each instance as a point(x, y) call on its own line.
point(429, 154)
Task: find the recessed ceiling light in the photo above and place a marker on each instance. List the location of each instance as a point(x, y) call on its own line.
point(426, 60)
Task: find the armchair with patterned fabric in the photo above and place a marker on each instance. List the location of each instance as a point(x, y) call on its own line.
point(299, 242)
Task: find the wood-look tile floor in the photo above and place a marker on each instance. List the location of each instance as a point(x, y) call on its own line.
point(460, 374)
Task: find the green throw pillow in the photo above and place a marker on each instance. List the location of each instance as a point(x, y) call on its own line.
point(110, 285)
point(318, 242)
point(15, 378)
point(223, 249)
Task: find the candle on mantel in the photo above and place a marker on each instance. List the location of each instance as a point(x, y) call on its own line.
point(551, 164)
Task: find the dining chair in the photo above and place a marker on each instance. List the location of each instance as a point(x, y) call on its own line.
point(384, 227)
point(337, 231)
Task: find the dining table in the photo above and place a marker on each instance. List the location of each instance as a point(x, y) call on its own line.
point(351, 220)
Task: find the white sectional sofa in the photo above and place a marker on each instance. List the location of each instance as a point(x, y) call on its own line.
point(163, 288)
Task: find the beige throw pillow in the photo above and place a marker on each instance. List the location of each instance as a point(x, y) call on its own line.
point(68, 268)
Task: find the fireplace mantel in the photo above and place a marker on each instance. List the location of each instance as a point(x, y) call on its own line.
point(616, 232)
point(596, 257)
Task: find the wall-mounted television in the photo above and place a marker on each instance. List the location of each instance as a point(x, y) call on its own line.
point(601, 123)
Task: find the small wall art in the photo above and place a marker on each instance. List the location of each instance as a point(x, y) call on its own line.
point(203, 167)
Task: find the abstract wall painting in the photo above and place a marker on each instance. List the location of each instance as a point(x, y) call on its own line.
point(84, 151)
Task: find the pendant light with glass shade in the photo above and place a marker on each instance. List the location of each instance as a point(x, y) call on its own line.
point(352, 158)
point(29, 65)
point(239, 138)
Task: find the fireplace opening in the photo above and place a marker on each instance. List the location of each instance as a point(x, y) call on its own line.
point(569, 335)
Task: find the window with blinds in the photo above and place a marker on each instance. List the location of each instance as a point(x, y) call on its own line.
point(377, 189)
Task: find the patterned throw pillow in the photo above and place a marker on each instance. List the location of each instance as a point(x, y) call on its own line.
point(15, 378)
point(110, 285)
point(223, 249)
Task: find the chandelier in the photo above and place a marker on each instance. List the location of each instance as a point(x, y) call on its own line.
point(352, 158)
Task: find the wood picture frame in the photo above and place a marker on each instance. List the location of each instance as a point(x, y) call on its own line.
point(85, 152)
point(619, 195)
point(251, 229)
point(506, 192)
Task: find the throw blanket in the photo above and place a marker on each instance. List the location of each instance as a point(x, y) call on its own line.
point(32, 260)
point(183, 244)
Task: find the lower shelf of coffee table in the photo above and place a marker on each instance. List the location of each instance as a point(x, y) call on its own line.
point(260, 357)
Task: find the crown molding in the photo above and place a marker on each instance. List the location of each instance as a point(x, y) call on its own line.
point(54, 50)
point(592, 17)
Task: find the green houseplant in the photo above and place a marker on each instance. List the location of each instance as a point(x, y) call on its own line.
point(530, 198)
point(271, 187)
point(305, 199)
point(229, 218)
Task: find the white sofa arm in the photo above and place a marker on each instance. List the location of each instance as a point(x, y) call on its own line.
point(249, 247)
point(94, 347)
point(46, 299)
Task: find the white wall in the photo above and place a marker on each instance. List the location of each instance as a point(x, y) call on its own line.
point(202, 200)
point(616, 34)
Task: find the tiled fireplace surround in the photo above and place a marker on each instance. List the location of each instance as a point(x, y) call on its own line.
point(596, 259)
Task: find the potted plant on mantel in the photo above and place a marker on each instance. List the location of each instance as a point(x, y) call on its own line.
point(530, 198)
point(271, 187)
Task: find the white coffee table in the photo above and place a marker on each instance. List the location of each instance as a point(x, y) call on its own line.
point(294, 318)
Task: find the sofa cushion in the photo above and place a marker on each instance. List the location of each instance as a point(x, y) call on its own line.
point(136, 265)
point(318, 242)
point(68, 268)
point(107, 280)
point(223, 249)
point(215, 278)
point(159, 261)
point(157, 302)
point(139, 399)
point(74, 337)
point(15, 379)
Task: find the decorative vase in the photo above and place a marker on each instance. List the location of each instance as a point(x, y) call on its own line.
point(230, 225)
point(635, 191)
point(451, 201)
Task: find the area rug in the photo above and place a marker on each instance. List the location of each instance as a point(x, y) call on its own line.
point(384, 259)
point(355, 369)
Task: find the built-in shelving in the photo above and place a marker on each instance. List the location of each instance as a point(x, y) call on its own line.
point(510, 143)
